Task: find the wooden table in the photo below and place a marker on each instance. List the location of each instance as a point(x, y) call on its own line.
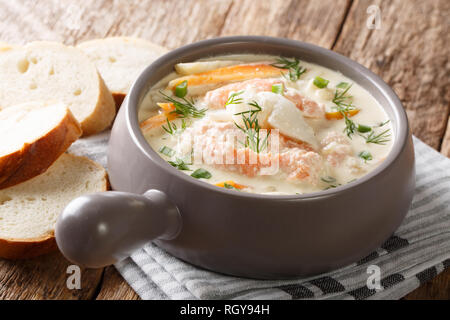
point(410, 51)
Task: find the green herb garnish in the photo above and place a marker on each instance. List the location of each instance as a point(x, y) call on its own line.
point(320, 82)
point(294, 67)
point(234, 99)
point(366, 155)
point(172, 127)
point(167, 151)
point(342, 85)
point(185, 108)
point(363, 128)
point(179, 164)
point(382, 124)
point(278, 88)
point(380, 138)
point(331, 182)
point(181, 89)
point(344, 103)
point(229, 186)
point(328, 179)
point(201, 173)
point(251, 128)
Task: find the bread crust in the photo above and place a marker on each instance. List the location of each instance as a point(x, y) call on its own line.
point(104, 113)
point(119, 96)
point(101, 112)
point(15, 249)
point(118, 99)
point(35, 158)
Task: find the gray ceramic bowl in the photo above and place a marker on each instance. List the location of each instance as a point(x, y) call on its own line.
point(243, 234)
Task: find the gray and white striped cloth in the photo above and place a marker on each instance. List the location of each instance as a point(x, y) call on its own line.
point(417, 252)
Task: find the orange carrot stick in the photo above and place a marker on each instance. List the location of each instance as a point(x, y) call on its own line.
point(337, 115)
point(231, 183)
point(228, 74)
point(160, 118)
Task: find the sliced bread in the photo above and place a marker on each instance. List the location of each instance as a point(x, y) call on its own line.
point(52, 71)
point(32, 136)
point(120, 60)
point(28, 211)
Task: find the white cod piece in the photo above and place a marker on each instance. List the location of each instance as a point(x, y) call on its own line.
point(247, 97)
point(287, 118)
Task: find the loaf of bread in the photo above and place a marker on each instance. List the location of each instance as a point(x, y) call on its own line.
point(28, 211)
point(41, 71)
point(120, 60)
point(32, 136)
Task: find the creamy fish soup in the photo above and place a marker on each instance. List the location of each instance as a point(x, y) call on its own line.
point(265, 124)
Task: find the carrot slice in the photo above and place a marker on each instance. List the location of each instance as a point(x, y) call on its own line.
point(231, 183)
point(168, 107)
point(160, 118)
point(337, 115)
point(228, 74)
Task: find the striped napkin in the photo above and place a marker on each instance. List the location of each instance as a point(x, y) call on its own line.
point(417, 252)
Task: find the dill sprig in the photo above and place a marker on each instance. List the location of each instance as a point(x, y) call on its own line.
point(172, 127)
point(344, 103)
point(253, 140)
point(184, 108)
point(380, 138)
point(295, 70)
point(234, 99)
point(343, 100)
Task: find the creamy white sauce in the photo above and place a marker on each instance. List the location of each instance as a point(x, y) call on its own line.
point(349, 169)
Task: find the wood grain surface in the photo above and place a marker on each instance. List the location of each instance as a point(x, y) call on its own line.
point(45, 278)
point(410, 51)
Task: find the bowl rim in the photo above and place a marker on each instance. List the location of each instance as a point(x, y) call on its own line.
point(133, 100)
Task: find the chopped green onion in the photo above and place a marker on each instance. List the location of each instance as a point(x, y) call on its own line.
point(167, 151)
point(229, 186)
point(278, 88)
point(366, 155)
point(181, 89)
point(320, 82)
point(179, 164)
point(201, 173)
point(362, 128)
point(328, 179)
point(342, 85)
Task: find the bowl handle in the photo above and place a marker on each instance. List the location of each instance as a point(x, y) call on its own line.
point(100, 229)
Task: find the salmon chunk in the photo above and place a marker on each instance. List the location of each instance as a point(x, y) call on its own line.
point(336, 148)
point(310, 108)
point(212, 145)
point(216, 99)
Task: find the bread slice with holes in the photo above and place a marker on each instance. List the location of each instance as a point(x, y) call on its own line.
point(120, 60)
point(28, 211)
point(32, 136)
point(51, 71)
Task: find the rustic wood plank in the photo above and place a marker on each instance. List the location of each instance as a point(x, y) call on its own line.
point(168, 23)
point(312, 21)
point(410, 52)
point(445, 148)
point(436, 289)
point(44, 278)
point(115, 288)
